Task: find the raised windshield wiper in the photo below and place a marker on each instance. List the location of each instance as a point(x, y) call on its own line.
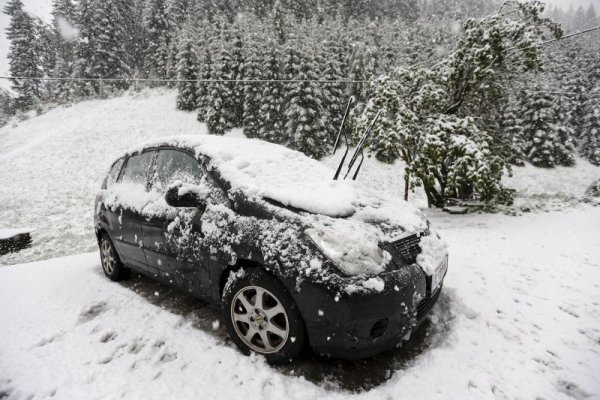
point(337, 140)
point(359, 147)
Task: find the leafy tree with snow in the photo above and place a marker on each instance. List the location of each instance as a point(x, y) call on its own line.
point(548, 140)
point(418, 103)
point(187, 74)
point(590, 134)
point(466, 162)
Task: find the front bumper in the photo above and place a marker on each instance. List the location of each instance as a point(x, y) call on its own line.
point(362, 325)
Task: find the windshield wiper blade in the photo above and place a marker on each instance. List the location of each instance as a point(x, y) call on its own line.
point(337, 140)
point(360, 147)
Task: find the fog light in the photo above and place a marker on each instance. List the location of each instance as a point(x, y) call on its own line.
point(378, 328)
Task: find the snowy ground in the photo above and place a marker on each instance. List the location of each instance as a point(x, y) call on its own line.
point(51, 167)
point(519, 319)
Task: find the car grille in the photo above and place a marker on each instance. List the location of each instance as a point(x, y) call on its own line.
point(427, 303)
point(406, 249)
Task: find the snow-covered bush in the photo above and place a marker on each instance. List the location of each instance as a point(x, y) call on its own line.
point(593, 191)
point(455, 161)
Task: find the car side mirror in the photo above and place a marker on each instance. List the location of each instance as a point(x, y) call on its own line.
point(187, 199)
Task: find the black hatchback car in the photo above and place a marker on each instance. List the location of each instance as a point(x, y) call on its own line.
point(294, 258)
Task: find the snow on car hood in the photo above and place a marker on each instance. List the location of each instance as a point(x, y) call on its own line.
point(274, 172)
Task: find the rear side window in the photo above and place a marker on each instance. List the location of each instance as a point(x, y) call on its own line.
point(136, 169)
point(114, 173)
point(174, 165)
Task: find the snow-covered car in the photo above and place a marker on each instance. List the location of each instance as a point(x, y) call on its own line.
point(294, 257)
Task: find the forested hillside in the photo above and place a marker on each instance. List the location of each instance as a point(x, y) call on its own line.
point(495, 83)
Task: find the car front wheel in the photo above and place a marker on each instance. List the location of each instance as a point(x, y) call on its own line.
point(261, 316)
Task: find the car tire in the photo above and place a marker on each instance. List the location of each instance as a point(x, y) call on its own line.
point(109, 259)
point(262, 317)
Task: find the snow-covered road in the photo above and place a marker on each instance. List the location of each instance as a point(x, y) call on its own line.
point(519, 319)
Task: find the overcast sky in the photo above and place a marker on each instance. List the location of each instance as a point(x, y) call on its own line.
point(576, 3)
point(42, 9)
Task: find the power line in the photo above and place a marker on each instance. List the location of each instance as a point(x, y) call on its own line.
point(319, 81)
point(324, 81)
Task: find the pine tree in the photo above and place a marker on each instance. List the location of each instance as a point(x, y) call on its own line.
point(7, 106)
point(84, 49)
point(271, 108)
point(278, 19)
point(220, 112)
point(358, 73)
point(24, 54)
point(110, 58)
point(187, 73)
point(64, 18)
point(334, 90)
point(590, 136)
point(181, 11)
point(205, 74)
point(159, 38)
point(237, 73)
point(548, 141)
point(511, 131)
point(46, 45)
point(252, 94)
point(305, 128)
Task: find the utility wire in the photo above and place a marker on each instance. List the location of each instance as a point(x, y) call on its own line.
point(325, 81)
point(321, 81)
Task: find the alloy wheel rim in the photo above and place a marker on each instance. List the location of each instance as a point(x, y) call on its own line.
point(108, 261)
point(259, 319)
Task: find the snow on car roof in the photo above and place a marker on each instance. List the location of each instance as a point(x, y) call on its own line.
point(272, 171)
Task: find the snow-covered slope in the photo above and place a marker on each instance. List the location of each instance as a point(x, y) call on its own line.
point(52, 166)
point(518, 319)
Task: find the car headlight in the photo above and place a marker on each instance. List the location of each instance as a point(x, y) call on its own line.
point(349, 254)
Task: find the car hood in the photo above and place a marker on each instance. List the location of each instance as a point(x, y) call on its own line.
point(355, 242)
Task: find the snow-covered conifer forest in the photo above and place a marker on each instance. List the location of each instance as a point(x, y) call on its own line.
point(482, 85)
point(489, 107)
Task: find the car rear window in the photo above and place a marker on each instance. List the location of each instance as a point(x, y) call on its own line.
point(114, 173)
point(136, 169)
